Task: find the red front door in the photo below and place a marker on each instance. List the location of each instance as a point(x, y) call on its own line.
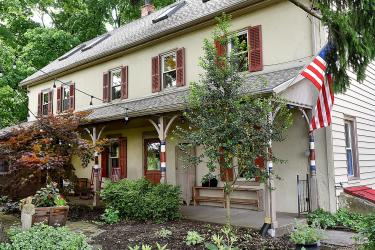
point(152, 160)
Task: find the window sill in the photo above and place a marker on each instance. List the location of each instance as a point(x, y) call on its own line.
point(354, 180)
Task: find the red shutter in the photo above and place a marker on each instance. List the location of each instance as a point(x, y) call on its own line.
point(155, 74)
point(180, 70)
point(226, 174)
point(220, 48)
point(50, 100)
point(259, 162)
point(255, 48)
point(58, 103)
point(123, 157)
point(72, 99)
point(39, 104)
point(124, 82)
point(104, 162)
point(106, 87)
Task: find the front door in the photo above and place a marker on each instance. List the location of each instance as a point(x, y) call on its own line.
point(152, 160)
point(185, 177)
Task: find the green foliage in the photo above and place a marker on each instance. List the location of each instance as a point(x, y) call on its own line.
point(366, 229)
point(46, 196)
point(12, 106)
point(111, 216)
point(226, 241)
point(141, 200)
point(4, 199)
point(342, 218)
point(164, 233)
point(193, 238)
point(322, 218)
point(305, 234)
point(351, 26)
point(45, 237)
point(148, 247)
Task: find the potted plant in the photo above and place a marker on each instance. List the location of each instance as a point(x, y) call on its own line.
point(49, 206)
point(307, 236)
point(209, 180)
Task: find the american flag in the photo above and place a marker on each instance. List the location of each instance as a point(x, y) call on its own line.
point(316, 72)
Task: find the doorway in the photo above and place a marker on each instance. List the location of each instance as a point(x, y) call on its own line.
point(152, 160)
point(185, 176)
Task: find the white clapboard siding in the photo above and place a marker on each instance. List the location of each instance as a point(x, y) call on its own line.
point(357, 102)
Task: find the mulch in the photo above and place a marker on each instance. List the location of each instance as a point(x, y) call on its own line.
point(84, 213)
point(125, 234)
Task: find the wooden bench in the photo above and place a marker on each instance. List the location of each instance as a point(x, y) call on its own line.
point(257, 202)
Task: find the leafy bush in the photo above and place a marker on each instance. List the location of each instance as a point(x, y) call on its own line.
point(111, 216)
point(141, 200)
point(366, 228)
point(148, 247)
point(48, 197)
point(225, 241)
point(163, 233)
point(322, 218)
point(306, 234)
point(342, 218)
point(42, 236)
point(193, 238)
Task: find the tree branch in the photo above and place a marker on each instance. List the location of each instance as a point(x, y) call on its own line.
point(305, 8)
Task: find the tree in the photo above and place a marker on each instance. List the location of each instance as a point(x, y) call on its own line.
point(232, 129)
point(12, 106)
point(43, 149)
point(351, 31)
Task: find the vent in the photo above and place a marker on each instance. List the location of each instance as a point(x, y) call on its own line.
point(73, 51)
point(96, 42)
point(169, 12)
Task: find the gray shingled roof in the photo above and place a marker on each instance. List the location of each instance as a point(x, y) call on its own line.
point(141, 31)
point(6, 132)
point(176, 100)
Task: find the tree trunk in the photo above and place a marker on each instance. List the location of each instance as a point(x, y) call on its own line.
point(227, 206)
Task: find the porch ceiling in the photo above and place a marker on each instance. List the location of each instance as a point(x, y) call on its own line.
point(176, 99)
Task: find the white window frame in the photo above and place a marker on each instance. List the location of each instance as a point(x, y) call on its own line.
point(162, 56)
point(43, 104)
point(110, 157)
point(113, 71)
point(65, 86)
point(230, 46)
point(351, 139)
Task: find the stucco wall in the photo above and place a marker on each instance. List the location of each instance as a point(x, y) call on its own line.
point(286, 36)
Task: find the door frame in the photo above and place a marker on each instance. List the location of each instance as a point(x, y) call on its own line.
point(145, 142)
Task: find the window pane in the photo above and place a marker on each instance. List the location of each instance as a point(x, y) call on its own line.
point(169, 62)
point(347, 135)
point(45, 109)
point(349, 161)
point(45, 98)
point(242, 51)
point(65, 104)
point(114, 150)
point(153, 156)
point(116, 92)
point(116, 78)
point(4, 167)
point(116, 85)
point(169, 79)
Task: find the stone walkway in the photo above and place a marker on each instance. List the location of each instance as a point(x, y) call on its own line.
point(341, 240)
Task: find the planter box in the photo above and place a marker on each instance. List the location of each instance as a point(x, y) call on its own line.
point(52, 216)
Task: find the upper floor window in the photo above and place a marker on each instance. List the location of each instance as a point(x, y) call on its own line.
point(169, 69)
point(242, 52)
point(45, 103)
point(351, 148)
point(115, 84)
point(66, 97)
point(4, 166)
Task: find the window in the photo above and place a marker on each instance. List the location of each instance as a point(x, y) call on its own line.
point(169, 12)
point(65, 97)
point(242, 51)
point(95, 42)
point(116, 84)
point(351, 148)
point(114, 152)
point(168, 69)
point(4, 167)
point(45, 103)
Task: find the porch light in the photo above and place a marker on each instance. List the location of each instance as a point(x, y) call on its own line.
point(126, 116)
point(54, 84)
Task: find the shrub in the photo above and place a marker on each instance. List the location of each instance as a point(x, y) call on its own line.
point(111, 216)
point(193, 238)
point(306, 234)
point(321, 218)
point(42, 236)
point(225, 241)
point(163, 233)
point(366, 228)
point(342, 218)
point(141, 200)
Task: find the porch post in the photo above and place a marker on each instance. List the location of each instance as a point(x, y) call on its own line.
point(313, 182)
point(163, 161)
point(96, 181)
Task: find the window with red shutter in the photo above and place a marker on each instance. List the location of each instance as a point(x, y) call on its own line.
point(180, 58)
point(106, 87)
point(255, 48)
point(155, 74)
point(50, 102)
point(72, 99)
point(39, 104)
point(59, 101)
point(124, 82)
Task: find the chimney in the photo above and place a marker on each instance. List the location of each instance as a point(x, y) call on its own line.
point(147, 9)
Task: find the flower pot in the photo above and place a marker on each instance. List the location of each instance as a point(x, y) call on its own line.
point(307, 246)
point(52, 216)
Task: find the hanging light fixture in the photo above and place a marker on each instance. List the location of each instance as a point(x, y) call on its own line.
point(54, 84)
point(126, 116)
point(91, 100)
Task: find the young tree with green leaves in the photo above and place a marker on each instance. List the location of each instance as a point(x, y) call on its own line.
point(232, 128)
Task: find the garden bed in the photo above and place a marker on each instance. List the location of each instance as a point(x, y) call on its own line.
point(125, 234)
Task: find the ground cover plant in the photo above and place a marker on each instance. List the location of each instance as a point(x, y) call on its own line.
point(45, 237)
point(135, 234)
point(141, 200)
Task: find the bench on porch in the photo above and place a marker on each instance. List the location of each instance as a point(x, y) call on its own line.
point(256, 202)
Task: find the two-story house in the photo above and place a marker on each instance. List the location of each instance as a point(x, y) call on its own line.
point(134, 80)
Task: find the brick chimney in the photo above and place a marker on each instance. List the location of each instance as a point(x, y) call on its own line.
point(147, 9)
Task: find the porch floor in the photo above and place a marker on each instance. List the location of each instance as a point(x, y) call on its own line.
point(240, 217)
